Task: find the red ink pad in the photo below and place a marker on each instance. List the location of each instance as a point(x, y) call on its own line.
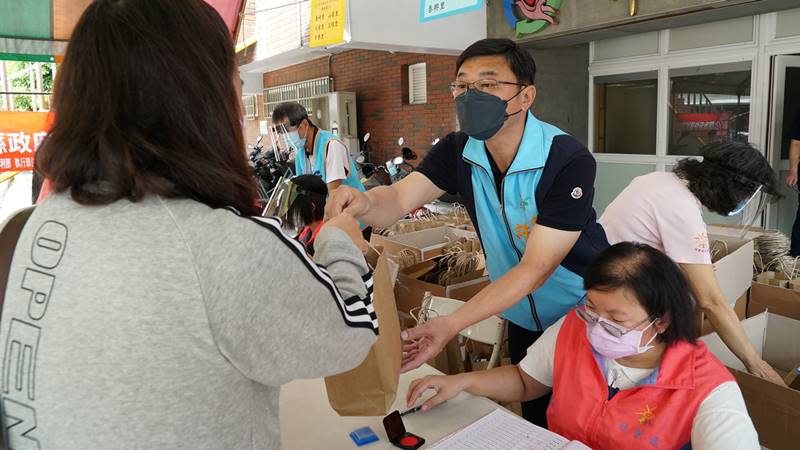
point(409, 441)
point(397, 434)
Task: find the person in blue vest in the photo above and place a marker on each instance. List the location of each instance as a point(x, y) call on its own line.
point(528, 188)
point(319, 152)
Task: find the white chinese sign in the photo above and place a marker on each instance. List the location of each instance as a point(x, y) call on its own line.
point(437, 9)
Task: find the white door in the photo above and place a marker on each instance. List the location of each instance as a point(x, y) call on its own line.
point(784, 113)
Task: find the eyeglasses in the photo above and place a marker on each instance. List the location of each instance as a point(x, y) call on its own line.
point(486, 86)
point(284, 128)
point(617, 331)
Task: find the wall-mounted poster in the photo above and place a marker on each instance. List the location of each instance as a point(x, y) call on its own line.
point(437, 9)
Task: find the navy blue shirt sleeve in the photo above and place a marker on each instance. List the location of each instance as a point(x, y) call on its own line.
point(442, 162)
point(565, 203)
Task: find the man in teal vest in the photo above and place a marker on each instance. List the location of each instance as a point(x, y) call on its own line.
point(318, 152)
point(528, 188)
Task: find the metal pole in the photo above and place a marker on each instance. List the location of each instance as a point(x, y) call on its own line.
point(4, 79)
point(39, 86)
point(32, 79)
point(300, 24)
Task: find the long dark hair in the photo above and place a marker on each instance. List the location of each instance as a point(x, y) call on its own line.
point(309, 205)
point(657, 282)
point(729, 173)
point(145, 104)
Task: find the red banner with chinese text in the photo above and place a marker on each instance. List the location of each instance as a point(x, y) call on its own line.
point(717, 121)
point(21, 134)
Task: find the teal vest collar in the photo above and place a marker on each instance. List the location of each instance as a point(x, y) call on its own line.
point(506, 218)
point(531, 154)
point(319, 146)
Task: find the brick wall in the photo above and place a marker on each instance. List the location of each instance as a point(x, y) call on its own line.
point(377, 79)
point(310, 70)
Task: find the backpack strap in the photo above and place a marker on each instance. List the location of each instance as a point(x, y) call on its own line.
point(9, 235)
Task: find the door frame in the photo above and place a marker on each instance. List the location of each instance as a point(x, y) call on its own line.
point(777, 91)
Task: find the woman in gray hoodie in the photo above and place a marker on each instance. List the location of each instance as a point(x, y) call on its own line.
point(146, 307)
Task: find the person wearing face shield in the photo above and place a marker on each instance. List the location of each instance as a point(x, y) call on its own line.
point(528, 188)
point(625, 367)
point(665, 210)
point(317, 152)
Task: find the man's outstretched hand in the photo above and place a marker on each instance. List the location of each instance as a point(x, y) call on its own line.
point(348, 200)
point(425, 341)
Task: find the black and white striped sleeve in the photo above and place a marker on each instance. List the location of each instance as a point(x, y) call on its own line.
point(274, 313)
point(340, 269)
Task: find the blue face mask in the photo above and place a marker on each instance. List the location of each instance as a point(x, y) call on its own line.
point(293, 140)
point(482, 115)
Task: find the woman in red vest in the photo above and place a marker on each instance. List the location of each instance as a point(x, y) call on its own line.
point(307, 209)
point(625, 367)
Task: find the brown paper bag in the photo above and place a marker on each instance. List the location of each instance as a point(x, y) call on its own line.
point(370, 388)
point(764, 277)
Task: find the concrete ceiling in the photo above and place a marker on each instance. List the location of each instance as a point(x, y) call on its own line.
point(630, 26)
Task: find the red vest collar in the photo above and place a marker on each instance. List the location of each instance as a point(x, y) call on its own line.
point(316, 230)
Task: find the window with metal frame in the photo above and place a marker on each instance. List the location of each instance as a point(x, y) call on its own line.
point(417, 84)
point(301, 92)
point(706, 104)
point(26, 85)
point(626, 108)
point(249, 102)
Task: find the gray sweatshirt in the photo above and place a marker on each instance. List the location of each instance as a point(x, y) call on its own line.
point(166, 324)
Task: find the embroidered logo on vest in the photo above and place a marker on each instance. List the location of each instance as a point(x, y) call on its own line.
point(577, 193)
point(522, 231)
point(647, 416)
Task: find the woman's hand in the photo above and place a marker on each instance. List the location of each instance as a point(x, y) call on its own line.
point(348, 224)
point(425, 341)
point(791, 179)
point(763, 370)
point(446, 387)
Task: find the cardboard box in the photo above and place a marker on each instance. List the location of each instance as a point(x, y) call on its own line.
point(794, 284)
point(740, 309)
point(426, 244)
point(793, 378)
point(733, 264)
point(409, 292)
point(405, 226)
point(775, 409)
point(735, 231)
point(778, 300)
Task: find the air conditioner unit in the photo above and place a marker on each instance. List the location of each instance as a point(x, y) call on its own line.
point(336, 112)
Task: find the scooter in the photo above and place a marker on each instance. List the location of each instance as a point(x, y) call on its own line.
point(268, 169)
point(372, 175)
point(398, 166)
